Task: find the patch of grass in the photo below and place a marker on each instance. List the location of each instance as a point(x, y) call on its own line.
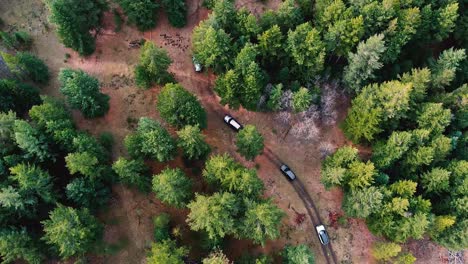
point(343, 221)
point(118, 20)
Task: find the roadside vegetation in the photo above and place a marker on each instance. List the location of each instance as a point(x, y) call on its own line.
point(403, 64)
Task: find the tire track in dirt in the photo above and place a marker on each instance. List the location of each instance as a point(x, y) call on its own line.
point(297, 184)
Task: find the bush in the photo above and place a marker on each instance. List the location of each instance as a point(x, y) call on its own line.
point(179, 107)
point(161, 227)
point(19, 40)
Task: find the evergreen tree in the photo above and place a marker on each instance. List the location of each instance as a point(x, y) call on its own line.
point(271, 44)
point(176, 12)
point(363, 202)
point(132, 172)
point(228, 87)
point(16, 244)
point(84, 163)
point(32, 141)
point(166, 252)
point(142, 13)
point(433, 117)
point(252, 87)
point(261, 221)
point(300, 254)
point(192, 142)
point(444, 69)
point(27, 65)
point(173, 187)
point(74, 22)
point(301, 100)
point(249, 142)
point(88, 193)
point(385, 251)
point(214, 214)
point(436, 181)
point(307, 49)
point(152, 66)
point(82, 92)
point(211, 46)
point(70, 231)
point(179, 107)
point(362, 64)
point(17, 97)
point(33, 180)
point(216, 257)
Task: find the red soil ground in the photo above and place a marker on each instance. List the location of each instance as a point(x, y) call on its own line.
point(128, 218)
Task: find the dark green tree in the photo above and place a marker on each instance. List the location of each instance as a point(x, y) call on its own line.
point(88, 193)
point(33, 180)
point(176, 12)
point(141, 13)
point(74, 22)
point(228, 87)
point(26, 65)
point(18, 97)
point(179, 107)
point(82, 92)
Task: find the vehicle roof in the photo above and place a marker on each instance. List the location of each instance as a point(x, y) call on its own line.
point(235, 123)
point(319, 228)
point(291, 174)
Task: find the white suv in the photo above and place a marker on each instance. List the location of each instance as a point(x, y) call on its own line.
point(232, 123)
point(322, 234)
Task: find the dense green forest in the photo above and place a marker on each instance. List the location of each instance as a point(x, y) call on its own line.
point(402, 63)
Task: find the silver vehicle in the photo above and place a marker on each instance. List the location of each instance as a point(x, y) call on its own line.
point(232, 123)
point(287, 172)
point(198, 67)
point(322, 234)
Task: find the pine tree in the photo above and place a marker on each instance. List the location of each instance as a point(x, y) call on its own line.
point(142, 13)
point(173, 187)
point(363, 202)
point(444, 69)
point(82, 92)
point(214, 214)
point(249, 142)
point(179, 107)
point(166, 252)
point(132, 172)
point(436, 181)
point(362, 64)
point(70, 231)
point(211, 46)
point(74, 22)
point(385, 251)
point(192, 142)
point(300, 254)
point(261, 221)
point(16, 244)
point(301, 100)
point(152, 66)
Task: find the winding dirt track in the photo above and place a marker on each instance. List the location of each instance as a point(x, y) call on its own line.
point(297, 184)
